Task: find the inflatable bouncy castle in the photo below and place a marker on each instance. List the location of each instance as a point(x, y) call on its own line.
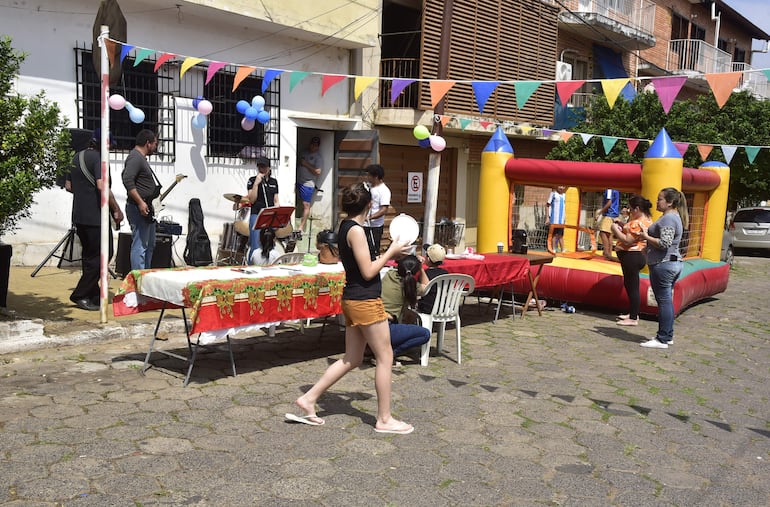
point(518, 188)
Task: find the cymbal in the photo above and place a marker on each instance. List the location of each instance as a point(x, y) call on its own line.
point(236, 198)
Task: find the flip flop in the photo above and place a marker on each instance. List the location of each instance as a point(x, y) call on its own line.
point(305, 419)
point(402, 429)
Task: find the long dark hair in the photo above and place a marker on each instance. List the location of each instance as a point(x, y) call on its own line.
point(637, 201)
point(677, 201)
point(409, 267)
point(355, 199)
point(267, 241)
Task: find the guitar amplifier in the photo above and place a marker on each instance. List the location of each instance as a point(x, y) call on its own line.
point(171, 228)
point(161, 256)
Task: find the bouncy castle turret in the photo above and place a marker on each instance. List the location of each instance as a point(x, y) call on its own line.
point(715, 210)
point(494, 218)
point(661, 168)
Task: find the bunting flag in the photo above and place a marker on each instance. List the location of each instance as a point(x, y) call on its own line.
point(524, 90)
point(124, 50)
point(482, 90)
point(632, 144)
point(214, 67)
point(163, 59)
point(296, 78)
point(464, 122)
point(722, 84)
point(681, 147)
point(667, 88)
point(566, 136)
point(189, 63)
point(242, 73)
point(704, 150)
point(445, 119)
point(270, 74)
point(729, 152)
point(111, 51)
point(361, 83)
point(608, 142)
point(330, 80)
point(397, 86)
point(438, 89)
point(586, 137)
point(766, 72)
point(141, 55)
point(612, 88)
point(751, 152)
point(485, 124)
point(565, 89)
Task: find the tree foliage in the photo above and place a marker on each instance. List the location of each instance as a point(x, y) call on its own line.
point(34, 144)
point(743, 121)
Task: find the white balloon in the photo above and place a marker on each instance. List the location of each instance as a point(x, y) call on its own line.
point(205, 107)
point(117, 101)
point(437, 143)
point(247, 124)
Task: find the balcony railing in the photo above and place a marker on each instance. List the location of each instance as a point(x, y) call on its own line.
point(755, 82)
point(636, 14)
point(692, 55)
point(405, 68)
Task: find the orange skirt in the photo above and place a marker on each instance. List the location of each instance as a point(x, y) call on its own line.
point(363, 312)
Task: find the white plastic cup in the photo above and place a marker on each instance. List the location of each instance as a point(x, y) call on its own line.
point(500, 247)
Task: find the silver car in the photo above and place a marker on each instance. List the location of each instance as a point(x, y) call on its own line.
point(750, 228)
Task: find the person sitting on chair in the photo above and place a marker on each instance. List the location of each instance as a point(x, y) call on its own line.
point(434, 257)
point(268, 250)
point(326, 243)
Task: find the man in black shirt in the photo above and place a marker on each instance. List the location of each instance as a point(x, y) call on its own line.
point(142, 187)
point(262, 193)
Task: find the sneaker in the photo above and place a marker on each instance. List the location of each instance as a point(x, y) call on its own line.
point(623, 316)
point(654, 344)
point(628, 322)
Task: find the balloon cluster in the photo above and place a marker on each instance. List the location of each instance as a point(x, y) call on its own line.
point(426, 139)
point(252, 112)
point(204, 108)
point(118, 102)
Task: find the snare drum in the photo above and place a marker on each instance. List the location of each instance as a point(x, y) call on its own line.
point(232, 247)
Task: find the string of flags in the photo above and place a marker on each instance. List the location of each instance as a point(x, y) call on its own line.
point(666, 88)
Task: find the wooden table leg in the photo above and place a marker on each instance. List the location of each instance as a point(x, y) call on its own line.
point(533, 292)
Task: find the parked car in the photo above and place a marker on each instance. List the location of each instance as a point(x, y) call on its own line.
point(750, 228)
point(728, 252)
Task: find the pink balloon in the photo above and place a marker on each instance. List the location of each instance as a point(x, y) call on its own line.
point(247, 124)
point(117, 102)
point(437, 143)
point(205, 107)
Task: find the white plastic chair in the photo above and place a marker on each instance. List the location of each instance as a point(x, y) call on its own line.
point(451, 289)
point(290, 258)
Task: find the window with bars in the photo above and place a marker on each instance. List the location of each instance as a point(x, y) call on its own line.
point(143, 87)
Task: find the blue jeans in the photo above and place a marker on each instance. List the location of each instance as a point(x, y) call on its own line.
point(254, 244)
point(662, 278)
point(407, 336)
point(143, 234)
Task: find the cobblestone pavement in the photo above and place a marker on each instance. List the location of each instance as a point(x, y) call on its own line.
point(563, 409)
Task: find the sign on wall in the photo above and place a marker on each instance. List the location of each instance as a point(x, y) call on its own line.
point(414, 192)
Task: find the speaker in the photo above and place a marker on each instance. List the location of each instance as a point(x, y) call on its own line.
point(161, 256)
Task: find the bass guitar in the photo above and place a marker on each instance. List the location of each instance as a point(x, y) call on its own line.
point(156, 206)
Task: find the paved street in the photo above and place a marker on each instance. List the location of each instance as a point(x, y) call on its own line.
point(563, 409)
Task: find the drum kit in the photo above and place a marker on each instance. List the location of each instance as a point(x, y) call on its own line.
point(233, 247)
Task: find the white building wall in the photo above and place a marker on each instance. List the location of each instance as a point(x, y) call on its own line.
point(50, 30)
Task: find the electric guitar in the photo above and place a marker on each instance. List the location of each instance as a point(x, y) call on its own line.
point(157, 203)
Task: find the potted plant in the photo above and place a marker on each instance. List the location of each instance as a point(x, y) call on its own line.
point(34, 150)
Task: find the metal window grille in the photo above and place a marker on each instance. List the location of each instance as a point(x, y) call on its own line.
point(143, 87)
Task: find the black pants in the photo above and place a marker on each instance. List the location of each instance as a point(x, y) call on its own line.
point(88, 285)
point(632, 263)
point(374, 238)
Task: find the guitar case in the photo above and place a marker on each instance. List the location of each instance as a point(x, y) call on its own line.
point(197, 252)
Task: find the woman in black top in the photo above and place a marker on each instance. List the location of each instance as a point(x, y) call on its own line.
point(367, 322)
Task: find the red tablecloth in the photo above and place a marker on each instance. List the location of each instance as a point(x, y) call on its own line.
point(494, 270)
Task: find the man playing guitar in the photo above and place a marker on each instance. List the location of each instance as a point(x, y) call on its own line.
point(142, 187)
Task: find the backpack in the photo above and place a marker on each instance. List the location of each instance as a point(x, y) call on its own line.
point(197, 252)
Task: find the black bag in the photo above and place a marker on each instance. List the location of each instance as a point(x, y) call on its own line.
point(197, 252)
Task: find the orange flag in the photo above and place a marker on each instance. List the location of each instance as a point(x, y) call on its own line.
point(722, 85)
point(704, 150)
point(437, 91)
point(242, 74)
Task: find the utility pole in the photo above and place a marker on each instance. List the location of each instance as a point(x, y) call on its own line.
point(434, 162)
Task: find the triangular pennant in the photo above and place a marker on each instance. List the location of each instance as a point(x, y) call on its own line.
point(124, 50)
point(464, 122)
point(242, 73)
point(766, 72)
point(296, 78)
point(163, 59)
point(142, 54)
point(110, 50)
point(330, 80)
point(612, 88)
point(397, 86)
point(524, 90)
point(751, 152)
point(482, 90)
point(681, 147)
point(445, 119)
point(705, 150)
point(485, 124)
point(729, 152)
point(586, 137)
point(632, 144)
point(438, 89)
point(361, 84)
point(189, 63)
point(565, 89)
point(270, 74)
point(667, 89)
point(608, 142)
point(565, 135)
point(212, 69)
point(722, 84)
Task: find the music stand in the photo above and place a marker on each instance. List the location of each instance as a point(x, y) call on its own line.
point(274, 217)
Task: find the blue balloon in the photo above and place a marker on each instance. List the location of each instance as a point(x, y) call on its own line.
point(251, 113)
point(424, 143)
point(263, 117)
point(258, 102)
point(196, 101)
point(136, 115)
point(241, 106)
point(199, 121)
